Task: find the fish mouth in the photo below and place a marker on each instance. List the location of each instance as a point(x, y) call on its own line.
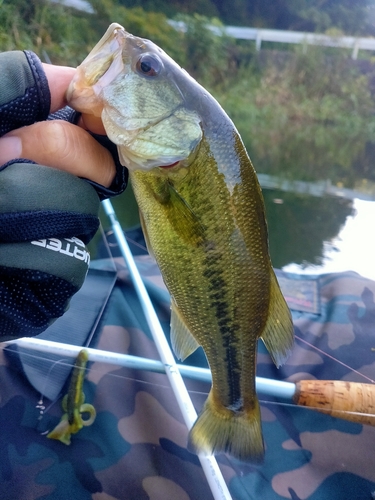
point(96, 71)
point(107, 55)
point(166, 138)
point(170, 166)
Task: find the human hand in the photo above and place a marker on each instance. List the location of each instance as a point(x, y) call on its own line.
point(58, 143)
point(47, 215)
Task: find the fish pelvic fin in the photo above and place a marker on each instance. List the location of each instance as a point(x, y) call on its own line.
point(278, 334)
point(220, 430)
point(183, 342)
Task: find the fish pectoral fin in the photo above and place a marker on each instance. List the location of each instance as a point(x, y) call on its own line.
point(183, 220)
point(145, 235)
point(278, 334)
point(181, 217)
point(183, 342)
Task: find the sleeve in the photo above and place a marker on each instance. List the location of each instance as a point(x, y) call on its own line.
point(24, 93)
point(47, 216)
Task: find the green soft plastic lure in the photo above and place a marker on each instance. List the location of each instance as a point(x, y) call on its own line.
point(73, 404)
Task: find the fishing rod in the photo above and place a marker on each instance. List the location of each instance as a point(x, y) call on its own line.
point(347, 400)
point(350, 401)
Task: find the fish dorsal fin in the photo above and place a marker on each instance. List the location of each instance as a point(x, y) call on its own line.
point(183, 342)
point(278, 334)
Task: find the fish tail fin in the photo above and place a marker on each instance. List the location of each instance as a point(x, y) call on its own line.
point(218, 429)
point(278, 334)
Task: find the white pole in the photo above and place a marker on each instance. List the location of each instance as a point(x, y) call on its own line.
point(277, 388)
point(210, 467)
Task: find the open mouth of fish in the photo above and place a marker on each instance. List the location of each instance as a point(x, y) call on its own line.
point(118, 55)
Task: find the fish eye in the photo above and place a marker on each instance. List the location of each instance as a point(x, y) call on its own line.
point(149, 65)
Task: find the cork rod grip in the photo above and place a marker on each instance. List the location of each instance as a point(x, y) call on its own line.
point(347, 400)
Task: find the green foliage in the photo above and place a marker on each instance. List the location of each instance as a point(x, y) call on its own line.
point(44, 28)
point(309, 118)
point(171, 8)
point(349, 16)
point(205, 55)
point(67, 35)
point(307, 115)
point(151, 25)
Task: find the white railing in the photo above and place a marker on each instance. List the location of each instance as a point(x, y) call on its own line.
point(298, 37)
point(265, 35)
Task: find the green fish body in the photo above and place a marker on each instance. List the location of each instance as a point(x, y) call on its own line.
point(203, 216)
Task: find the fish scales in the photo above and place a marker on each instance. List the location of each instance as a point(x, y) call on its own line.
point(203, 217)
point(202, 277)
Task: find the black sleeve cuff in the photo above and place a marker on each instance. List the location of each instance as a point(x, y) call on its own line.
point(120, 181)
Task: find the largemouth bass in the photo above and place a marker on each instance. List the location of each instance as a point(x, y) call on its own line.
point(203, 217)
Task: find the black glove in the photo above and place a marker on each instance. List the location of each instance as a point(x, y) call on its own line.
point(47, 216)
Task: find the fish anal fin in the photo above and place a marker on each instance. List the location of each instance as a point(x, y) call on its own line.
point(183, 342)
point(220, 430)
point(278, 334)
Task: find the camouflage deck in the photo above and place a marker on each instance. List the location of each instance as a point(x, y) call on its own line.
point(136, 448)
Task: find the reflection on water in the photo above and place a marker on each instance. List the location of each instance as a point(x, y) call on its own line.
point(299, 225)
point(353, 248)
point(310, 231)
point(315, 235)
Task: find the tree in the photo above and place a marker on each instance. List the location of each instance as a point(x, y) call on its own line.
point(351, 17)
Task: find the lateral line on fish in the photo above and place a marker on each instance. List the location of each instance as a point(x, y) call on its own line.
point(217, 292)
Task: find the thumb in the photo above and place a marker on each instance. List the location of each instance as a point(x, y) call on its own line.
point(60, 145)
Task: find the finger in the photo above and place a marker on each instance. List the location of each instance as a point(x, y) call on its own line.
point(92, 123)
point(61, 145)
point(58, 78)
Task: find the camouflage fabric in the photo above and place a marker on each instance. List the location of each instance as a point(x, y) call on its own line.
point(136, 448)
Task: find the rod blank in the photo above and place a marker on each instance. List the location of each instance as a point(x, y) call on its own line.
point(276, 388)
